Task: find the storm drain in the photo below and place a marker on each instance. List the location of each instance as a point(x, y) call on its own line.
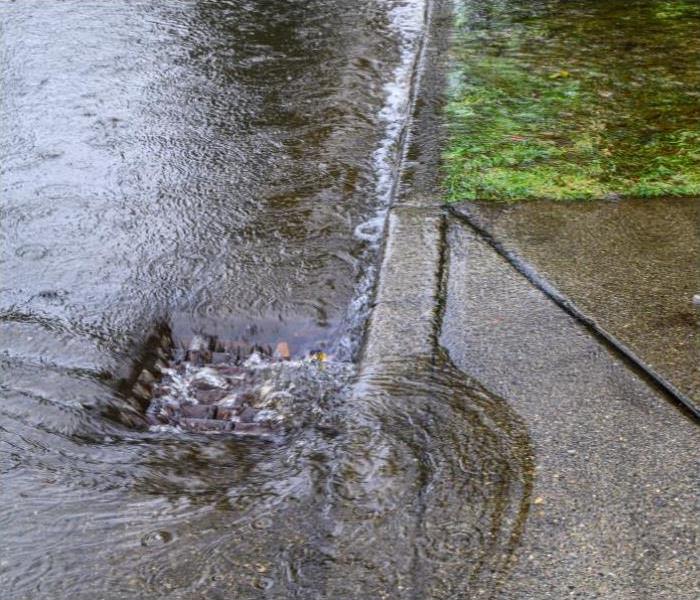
point(212, 386)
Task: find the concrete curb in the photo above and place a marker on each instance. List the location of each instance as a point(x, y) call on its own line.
point(404, 321)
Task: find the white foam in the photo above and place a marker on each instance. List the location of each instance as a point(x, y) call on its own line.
point(372, 229)
point(407, 21)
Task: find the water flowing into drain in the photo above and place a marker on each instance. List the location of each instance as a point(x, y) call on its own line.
point(408, 22)
point(212, 386)
point(226, 179)
point(413, 484)
point(232, 393)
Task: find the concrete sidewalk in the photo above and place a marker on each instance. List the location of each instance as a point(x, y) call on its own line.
point(616, 491)
point(631, 267)
point(616, 483)
point(610, 509)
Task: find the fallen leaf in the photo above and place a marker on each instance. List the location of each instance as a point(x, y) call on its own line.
point(282, 351)
point(319, 355)
point(561, 73)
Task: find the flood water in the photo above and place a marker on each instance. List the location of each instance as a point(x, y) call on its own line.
point(223, 168)
point(202, 162)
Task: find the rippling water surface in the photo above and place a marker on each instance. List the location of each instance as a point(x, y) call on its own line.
point(202, 161)
point(223, 167)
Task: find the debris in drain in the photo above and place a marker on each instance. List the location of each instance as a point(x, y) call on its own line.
point(318, 355)
point(210, 386)
point(282, 351)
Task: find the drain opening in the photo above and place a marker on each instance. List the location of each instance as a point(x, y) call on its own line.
point(204, 384)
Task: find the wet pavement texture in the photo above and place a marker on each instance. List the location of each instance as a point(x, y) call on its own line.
point(469, 540)
point(222, 167)
point(633, 266)
point(614, 502)
point(402, 323)
point(226, 168)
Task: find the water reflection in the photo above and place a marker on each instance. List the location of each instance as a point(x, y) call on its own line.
point(209, 160)
point(434, 481)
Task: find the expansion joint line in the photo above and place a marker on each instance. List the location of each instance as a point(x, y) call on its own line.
point(610, 341)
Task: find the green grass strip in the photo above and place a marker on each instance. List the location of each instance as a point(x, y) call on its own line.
point(574, 100)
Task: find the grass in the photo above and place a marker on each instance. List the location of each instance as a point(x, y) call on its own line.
point(568, 101)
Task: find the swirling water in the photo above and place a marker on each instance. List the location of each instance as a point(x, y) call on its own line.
point(223, 166)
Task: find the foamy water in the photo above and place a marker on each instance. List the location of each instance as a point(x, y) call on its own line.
point(407, 21)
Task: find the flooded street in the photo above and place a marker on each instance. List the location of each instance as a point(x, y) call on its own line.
point(206, 163)
point(231, 306)
point(221, 167)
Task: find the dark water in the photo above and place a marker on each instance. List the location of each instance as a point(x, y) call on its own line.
point(223, 167)
point(193, 161)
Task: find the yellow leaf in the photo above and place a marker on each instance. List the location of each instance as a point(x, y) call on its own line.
point(561, 73)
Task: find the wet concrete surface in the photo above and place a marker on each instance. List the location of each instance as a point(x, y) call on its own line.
point(613, 510)
point(632, 265)
point(403, 320)
point(475, 458)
